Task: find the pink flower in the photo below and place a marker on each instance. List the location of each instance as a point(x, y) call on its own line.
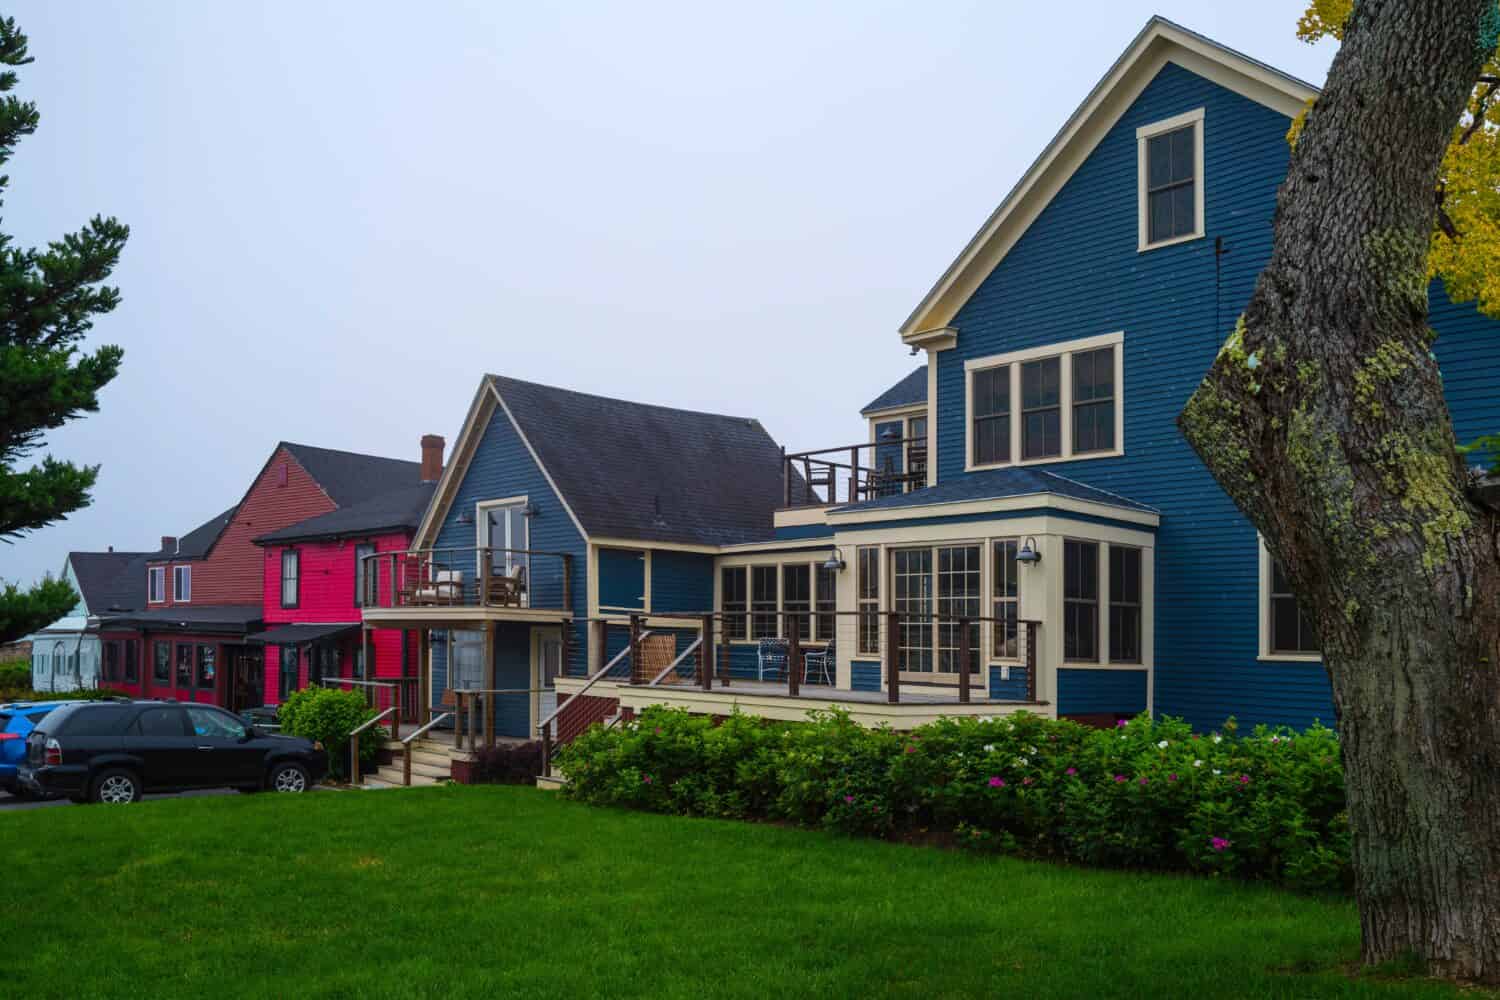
point(997, 782)
point(848, 798)
point(1071, 771)
point(1145, 780)
point(1218, 843)
point(1025, 781)
point(658, 730)
point(1244, 779)
point(911, 749)
point(1171, 777)
point(1119, 778)
point(1121, 723)
point(646, 778)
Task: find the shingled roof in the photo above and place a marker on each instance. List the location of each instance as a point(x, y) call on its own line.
point(910, 391)
point(349, 477)
point(396, 510)
point(110, 581)
point(997, 484)
point(653, 473)
point(197, 542)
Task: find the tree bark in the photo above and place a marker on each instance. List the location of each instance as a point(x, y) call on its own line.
point(1324, 419)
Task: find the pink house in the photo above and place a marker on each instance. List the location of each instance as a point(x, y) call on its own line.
point(314, 590)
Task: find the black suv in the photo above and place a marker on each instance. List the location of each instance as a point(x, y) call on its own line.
point(116, 751)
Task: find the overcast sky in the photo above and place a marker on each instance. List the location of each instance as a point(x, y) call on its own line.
point(343, 213)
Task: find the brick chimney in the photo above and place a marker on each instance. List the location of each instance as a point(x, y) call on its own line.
point(169, 543)
point(432, 457)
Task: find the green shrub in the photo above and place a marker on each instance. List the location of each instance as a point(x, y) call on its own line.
point(1146, 794)
point(329, 716)
point(507, 764)
point(15, 675)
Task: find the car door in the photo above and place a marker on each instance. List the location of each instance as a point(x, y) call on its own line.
point(159, 737)
point(226, 755)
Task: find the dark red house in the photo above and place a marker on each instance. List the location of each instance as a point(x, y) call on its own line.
point(199, 637)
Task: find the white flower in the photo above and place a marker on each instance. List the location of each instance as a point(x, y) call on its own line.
point(1162, 745)
point(1031, 749)
point(1197, 763)
point(1218, 738)
point(989, 748)
point(1275, 739)
point(1217, 771)
point(1022, 761)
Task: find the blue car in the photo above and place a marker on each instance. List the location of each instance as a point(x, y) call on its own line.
point(16, 722)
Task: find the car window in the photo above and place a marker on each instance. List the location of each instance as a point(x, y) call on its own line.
point(208, 722)
point(88, 720)
point(160, 723)
point(35, 718)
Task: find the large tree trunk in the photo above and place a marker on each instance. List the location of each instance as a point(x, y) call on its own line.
point(1324, 419)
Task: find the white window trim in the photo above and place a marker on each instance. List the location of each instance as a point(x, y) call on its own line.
point(817, 638)
point(179, 574)
point(1142, 134)
point(1264, 614)
point(1064, 352)
point(156, 584)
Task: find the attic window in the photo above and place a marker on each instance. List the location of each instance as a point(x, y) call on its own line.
point(1170, 187)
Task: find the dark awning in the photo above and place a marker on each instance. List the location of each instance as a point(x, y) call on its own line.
point(296, 635)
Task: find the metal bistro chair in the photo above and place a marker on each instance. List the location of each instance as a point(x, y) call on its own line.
point(772, 656)
point(820, 665)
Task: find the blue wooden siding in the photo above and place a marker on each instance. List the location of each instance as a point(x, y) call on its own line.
point(1013, 689)
point(864, 675)
point(1086, 692)
point(1077, 272)
point(795, 531)
point(503, 467)
point(513, 671)
point(622, 578)
point(681, 581)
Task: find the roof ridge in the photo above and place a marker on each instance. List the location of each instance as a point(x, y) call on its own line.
point(617, 399)
point(345, 451)
point(1098, 489)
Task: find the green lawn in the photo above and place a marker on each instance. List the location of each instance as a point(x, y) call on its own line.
point(512, 892)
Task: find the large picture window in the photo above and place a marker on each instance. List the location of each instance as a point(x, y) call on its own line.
point(1124, 604)
point(1053, 402)
point(1080, 601)
point(732, 582)
point(867, 598)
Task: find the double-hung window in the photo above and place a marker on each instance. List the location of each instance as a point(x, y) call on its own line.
point(291, 565)
point(763, 602)
point(182, 583)
point(1080, 601)
point(1170, 186)
point(1054, 402)
point(365, 575)
point(732, 582)
point(291, 667)
point(867, 597)
point(156, 584)
point(796, 597)
point(1286, 631)
point(1124, 604)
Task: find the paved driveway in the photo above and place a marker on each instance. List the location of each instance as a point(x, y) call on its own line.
point(9, 803)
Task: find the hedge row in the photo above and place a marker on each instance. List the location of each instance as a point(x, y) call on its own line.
point(1148, 794)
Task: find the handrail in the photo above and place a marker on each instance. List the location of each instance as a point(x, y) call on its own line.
point(692, 647)
point(370, 722)
point(422, 730)
point(596, 678)
point(326, 681)
point(354, 743)
point(406, 746)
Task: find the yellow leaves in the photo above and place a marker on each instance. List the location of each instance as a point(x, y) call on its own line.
point(1324, 19)
point(1295, 132)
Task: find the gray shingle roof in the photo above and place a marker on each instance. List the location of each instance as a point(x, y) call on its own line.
point(231, 618)
point(349, 478)
point(110, 580)
point(635, 470)
point(197, 542)
point(910, 390)
point(997, 484)
point(392, 511)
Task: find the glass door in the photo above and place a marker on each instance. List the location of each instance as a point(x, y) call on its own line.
point(911, 590)
point(547, 650)
point(958, 596)
point(502, 530)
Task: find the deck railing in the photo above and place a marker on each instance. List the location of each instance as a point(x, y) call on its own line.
point(853, 472)
point(468, 577)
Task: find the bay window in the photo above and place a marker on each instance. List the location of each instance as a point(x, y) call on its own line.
point(867, 598)
point(1080, 601)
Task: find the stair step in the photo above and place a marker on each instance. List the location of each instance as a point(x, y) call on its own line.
point(551, 784)
point(441, 772)
point(374, 782)
point(394, 775)
point(430, 758)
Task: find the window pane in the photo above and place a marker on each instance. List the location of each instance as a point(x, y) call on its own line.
point(1124, 604)
point(161, 666)
point(1182, 153)
point(161, 723)
point(1041, 382)
point(207, 665)
point(733, 585)
point(1285, 624)
point(1043, 434)
point(209, 722)
point(1080, 600)
point(132, 662)
point(827, 603)
point(1159, 209)
point(1158, 160)
point(1005, 595)
point(763, 602)
point(797, 600)
point(1093, 375)
point(185, 666)
point(1183, 211)
point(991, 440)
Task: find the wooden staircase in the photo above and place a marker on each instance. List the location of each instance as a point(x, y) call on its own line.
point(431, 764)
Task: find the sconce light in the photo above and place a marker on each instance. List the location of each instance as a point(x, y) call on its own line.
point(466, 517)
point(530, 510)
point(835, 562)
point(890, 434)
point(1029, 553)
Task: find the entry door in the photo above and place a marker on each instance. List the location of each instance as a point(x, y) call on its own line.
point(503, 528)
point(466, 666)
point(546, 667)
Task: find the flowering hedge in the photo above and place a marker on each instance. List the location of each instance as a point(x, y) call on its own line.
point(1149, 794)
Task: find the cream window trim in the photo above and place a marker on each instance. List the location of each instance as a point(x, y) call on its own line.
point(1064, 352)
point(1142, 135)
point(1263, 614)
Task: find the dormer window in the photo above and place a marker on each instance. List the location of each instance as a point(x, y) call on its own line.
point(182, 583)
point(156, 584)
point(1170, 155)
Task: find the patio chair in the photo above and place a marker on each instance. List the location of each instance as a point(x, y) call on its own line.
point(506, 591)
point(820, 665)
point(772, 656)
point(445, 586)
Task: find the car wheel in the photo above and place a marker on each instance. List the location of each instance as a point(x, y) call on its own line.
point(117, 787)
point(289, 778)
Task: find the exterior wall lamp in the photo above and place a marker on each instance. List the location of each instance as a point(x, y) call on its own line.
point(835, 563)
point(1029, 554)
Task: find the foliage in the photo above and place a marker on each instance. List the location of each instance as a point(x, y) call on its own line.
point(1488, 447)
point(15, 674)
point(24, 611)
point(1465, 249)
point(48, 299)
point(25, 693)
point(1149, 794)
point(329, 716)
point(515, 764)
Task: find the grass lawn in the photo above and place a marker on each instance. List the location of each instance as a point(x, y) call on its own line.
point(512, 892)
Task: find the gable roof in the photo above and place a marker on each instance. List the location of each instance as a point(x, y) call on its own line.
point(349, 477)
point(997, 484)
point(910, 391)
point(110, 580)
point(653, 473)
point(196, 543)
point(395, 510)
point(1160, 42)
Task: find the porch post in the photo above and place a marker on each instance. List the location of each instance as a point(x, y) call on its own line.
point(724, 678)
point(1031, 661)
point(489, 682)
point(793, 652)
point(706, 653)
point(598, 640)
point(636, 674)
point(458, 719)
point(424, 673)
point(892, 668)
point(963, 661)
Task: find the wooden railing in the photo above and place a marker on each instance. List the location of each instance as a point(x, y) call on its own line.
point(580, 710)
point(468, 576)
point(392, 690)
point(354, 740)
point(853, 472)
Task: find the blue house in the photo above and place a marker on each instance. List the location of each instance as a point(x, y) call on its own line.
point(1024, 526)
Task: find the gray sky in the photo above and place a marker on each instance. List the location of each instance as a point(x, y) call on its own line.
point(343, 213)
